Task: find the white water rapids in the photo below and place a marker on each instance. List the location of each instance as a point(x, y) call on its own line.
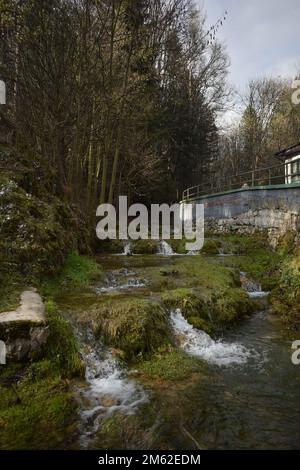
point(200, 344)
point(108, 389)
point(165, 249)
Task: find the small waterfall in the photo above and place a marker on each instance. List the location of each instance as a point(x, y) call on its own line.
point(200, 344)
point(127, 249)
point(165, 249)
point(116, 281)
point(222, 254)
point(108, 389)
point(253, 288)
point(130, 284)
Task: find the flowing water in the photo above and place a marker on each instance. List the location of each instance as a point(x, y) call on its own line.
point(253, 288)
point(253, 405)
point(127, 249)
point(165, 249)
point(247, 398)
point(107, 389)
point(200, 344)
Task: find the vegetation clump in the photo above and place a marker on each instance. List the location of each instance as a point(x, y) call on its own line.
point(212, 311)
point(286, 297)
point(77, 271)
point(211, 247)
point(36, 399)
point(170, 365)
point(135, 326)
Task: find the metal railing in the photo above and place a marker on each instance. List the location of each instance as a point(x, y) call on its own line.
point(269, 176)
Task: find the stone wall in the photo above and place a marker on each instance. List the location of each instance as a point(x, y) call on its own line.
point(275, 210)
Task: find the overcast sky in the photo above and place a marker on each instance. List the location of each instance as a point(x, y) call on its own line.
point(262, 36)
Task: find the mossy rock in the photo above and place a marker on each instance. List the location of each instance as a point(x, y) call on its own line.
point(134, 326)
point(211, 247)
point(145, 247)
point(62, 347)
point(194, 306)
point(243, 244)
point(36, 234)
point(178, 246)
point(110, 246)
point(37, 405)
point(229, 306)
point(184, 299)
point(210, 312)
point(171, 365)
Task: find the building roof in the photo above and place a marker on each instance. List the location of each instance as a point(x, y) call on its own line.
point(289, 152)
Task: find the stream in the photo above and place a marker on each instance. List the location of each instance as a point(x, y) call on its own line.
point(107, 389)
point(254, 405)
point(248, 397)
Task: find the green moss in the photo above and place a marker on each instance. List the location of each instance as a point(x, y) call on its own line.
point(36, 413)
point(286, 297)
point(62, 347)
point(10, 297)
point(287, 244)
point(211, 247)
point(145, 247)
point(178, 246)
point(243, 244)
point(134, 326)
point(229, 306)
point(110, 246)
point(36, 233)
point(191, 271)
point(257, 259)
point(192, 305)
point(77, 271)
point(171, 365)
point(210, 311)
point(37, 409)
point(201, 324)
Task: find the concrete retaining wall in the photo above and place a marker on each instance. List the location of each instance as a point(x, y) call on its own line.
point(275, 209)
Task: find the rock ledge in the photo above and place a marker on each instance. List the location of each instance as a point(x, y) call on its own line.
point(24, 330)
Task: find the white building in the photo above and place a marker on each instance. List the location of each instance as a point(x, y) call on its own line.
point(291, 156)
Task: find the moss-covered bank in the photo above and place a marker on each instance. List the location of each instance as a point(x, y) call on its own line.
point(286, 297)
point(134, 326)
point(37, 405)
point(37, 408)
point(37, 229)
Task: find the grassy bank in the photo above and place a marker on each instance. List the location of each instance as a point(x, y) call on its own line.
point(36, 399)
point(286, 297)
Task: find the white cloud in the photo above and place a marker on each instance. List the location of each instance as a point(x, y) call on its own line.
point(262, 36)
